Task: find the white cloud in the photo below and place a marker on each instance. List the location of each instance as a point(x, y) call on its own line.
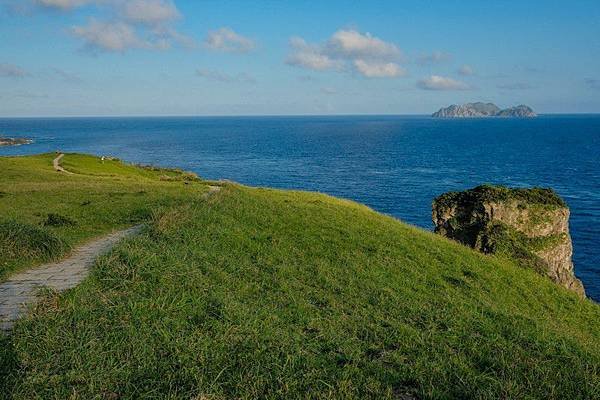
point(217, 76)
point(466, 70)
point(109, 36)
point(436, 82)
point(225, 39)
point(311, 60)
point(134, 24)
point(348, 50)
point(12, 71)
point(150, 12)
point(61, 4)
point(352, 44)
point(372, 69)
point(436, 57)
point(310, 57)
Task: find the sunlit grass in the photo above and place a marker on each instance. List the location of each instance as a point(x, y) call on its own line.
point(123, 195)
point(256, 293)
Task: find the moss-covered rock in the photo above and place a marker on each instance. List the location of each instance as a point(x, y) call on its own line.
point(528, 225)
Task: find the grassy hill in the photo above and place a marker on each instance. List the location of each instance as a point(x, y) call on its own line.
point(44, 213)
point(256, 293)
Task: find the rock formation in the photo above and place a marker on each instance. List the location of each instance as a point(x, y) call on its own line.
point(478, 110)
point(13, 141)
point(521, 111)
point(528, 225)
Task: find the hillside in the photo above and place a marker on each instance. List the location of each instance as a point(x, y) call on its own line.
point(59, 211)
point(259, 293)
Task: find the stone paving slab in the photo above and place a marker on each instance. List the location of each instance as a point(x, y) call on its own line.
point(20, 291)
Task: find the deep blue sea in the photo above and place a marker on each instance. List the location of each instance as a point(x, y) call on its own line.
point(395, 164)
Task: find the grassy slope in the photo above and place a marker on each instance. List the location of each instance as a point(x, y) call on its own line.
point(102, 197)
point(258, 293)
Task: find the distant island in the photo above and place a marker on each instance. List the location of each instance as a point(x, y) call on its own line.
point(476, 110)
point(4, 141)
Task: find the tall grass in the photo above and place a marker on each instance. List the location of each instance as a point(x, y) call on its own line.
point(24, 241)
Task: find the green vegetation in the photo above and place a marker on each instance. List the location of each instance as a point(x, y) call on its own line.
point(20, 241)
point(255, 293)
point(492, 193)
point(62, 211)
point(473, 226)
point(58, 220)
point(503, 240)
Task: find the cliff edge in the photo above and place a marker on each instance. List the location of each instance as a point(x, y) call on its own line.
point(529, 225)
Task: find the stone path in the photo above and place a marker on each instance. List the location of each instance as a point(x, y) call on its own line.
point(58, 167)
point(20, 291)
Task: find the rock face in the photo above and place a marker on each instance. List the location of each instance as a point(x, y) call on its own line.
point(479, 110)
point(521, 111)
point(13, 141)
point(468, 110)
point(528, 225)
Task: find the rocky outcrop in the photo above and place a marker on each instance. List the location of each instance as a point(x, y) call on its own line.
point(521, 111)
point(14, 141)
point(479, 110)
point(528, 225)
point(468, 110)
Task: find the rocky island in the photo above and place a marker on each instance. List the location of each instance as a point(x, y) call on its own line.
point(4, 141)
point(478, 110)
point(528, 225)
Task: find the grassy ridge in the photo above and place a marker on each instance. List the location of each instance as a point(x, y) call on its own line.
point(100, 197)
point(256, 293)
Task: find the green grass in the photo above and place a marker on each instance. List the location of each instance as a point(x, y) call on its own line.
point(101, 197)
point(24, 241)
point(256, 293)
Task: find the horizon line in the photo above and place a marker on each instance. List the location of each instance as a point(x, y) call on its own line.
point(261, 115)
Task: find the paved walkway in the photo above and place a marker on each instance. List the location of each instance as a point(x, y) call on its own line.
point(58, 167)
point(20, 290)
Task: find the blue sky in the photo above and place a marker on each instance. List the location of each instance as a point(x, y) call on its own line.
point(162, 57)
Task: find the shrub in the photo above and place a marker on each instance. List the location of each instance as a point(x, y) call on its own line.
point(58, 220)
point(489, 193)
point(184, 176)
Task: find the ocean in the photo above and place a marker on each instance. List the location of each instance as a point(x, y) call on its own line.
point(394, 164)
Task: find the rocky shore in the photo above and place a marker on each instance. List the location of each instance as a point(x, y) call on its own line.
point(4, 141)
